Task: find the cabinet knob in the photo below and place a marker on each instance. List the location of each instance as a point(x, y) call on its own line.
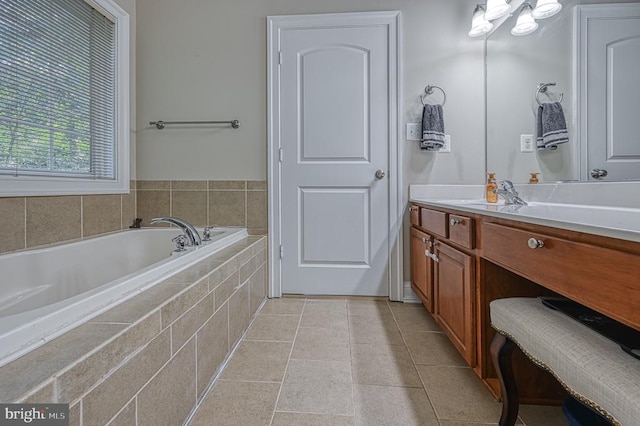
point(534, 243)
point(454, 221)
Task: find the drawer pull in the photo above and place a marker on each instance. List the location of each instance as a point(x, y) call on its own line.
point(413, 209)
point(534, 243)
point(454, 221)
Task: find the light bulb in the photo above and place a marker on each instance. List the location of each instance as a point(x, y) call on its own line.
point(479, 25)
point(546, 9)
point(525, 23)
point(496, 9)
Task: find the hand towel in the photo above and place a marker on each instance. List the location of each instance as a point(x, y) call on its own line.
point(432, 128)
point(552, 126)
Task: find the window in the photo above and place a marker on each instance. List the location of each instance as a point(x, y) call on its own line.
point(64, 113)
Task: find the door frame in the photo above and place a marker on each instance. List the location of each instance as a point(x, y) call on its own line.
point(275, 24)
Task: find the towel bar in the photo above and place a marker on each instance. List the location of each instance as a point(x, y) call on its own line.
point(542, 88)
point(429, 90)
point(160, 124)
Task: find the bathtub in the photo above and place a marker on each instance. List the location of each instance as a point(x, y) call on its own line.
point(46, 292)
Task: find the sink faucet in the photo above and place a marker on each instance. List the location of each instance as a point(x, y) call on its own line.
point(189, 230)
point(509, 193)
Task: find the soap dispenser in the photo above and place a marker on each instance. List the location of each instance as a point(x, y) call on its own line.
point(491, 195)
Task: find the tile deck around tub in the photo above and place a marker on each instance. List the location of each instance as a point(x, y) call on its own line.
point(351, 361)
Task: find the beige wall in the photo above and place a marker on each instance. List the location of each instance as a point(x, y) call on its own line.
point(203, 59)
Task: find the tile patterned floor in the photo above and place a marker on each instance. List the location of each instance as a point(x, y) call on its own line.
point(366, 361)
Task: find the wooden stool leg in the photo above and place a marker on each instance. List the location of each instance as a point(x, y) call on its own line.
point(501, 351)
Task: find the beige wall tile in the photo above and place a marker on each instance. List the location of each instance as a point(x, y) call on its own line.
point(281, 328)
point(257, 289)
point(247, 269)
point(382, 406)
point(256, 185)
point(170, 396)
point(12, 225)
point(186, 326)
point(228, 184)
point(153, 204)
point(53, 219)
point(190, 206)
point(126, 417)
point(75, 414)
point(183, 302)
point(101, 214)
point(111, 395)
point(257, 231)
point(238, 404)
point(212, 347)
point(128, 209)
point(78, 379)
point(258, 361)
point(238, 314)
point(301, 419)
point(153, 184)
point(38, 366)
point(189, 185)
point(322, 387)
point(43, 395)
point(227, 208)
point(257, 209)
point(226, 289)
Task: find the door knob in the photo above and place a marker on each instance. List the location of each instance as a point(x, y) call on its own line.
point(380, 174)
point(598, 173)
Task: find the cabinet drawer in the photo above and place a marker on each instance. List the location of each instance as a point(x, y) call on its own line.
point(605, 280)
point(461, 230)
point(433, 221)
point(414, 215)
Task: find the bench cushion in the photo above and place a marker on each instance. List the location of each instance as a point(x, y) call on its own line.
point(591, 367)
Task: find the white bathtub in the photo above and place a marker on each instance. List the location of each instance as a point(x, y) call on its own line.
point(46, 292)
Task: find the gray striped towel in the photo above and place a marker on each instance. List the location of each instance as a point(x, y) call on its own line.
point(552, 126)
point(432, 128)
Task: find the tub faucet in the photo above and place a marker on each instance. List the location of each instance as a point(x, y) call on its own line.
point(509, 193)
point(189, 230)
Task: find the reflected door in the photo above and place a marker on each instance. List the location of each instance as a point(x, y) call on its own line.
point(610, 90)
point(334, 85)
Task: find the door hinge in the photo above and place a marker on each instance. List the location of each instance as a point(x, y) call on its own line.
point(280, 154)
point(281, 251)
point(280, 58)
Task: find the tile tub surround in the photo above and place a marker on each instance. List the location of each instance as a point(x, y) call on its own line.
point(30, 222)
point(206, 202)
point(155, 354)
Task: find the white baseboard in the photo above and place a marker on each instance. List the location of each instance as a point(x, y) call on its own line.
point(409, 295)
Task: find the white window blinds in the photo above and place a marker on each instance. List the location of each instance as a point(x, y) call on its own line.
point(57, 89)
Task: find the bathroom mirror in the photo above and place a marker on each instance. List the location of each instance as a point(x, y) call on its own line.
point(515, 66)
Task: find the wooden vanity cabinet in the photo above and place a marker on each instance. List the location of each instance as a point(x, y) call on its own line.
point(422, 267)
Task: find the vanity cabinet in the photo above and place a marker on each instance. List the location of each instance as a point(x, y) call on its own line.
point(461, 261)
point(443, 276)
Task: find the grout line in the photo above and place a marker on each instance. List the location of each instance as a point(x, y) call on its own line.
point(287, 366)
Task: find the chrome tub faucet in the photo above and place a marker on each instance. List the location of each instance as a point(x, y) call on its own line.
point(509, 193)
point(189, 230)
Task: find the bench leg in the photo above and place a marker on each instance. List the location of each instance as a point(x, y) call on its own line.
point(501, 351)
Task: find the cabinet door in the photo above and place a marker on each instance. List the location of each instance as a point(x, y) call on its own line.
point(454, 298)
point(422, 267)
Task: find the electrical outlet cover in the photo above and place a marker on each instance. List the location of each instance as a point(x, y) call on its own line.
point(526, 143)
point(414, 131)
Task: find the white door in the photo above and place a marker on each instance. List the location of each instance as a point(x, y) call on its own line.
point(334, 130)
point(610, 45)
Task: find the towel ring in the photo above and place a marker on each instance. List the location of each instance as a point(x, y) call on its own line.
point(429, 90)
point(542, 88)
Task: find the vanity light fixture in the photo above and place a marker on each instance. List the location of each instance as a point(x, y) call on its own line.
point(546, 9)
point(497, 9)
point(479, 24)
point(525, 23)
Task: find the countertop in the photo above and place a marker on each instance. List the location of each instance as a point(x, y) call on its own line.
point(615, 222)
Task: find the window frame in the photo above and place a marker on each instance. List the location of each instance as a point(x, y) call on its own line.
point(38, 185)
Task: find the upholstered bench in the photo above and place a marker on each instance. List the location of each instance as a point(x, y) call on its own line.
point(592, 368)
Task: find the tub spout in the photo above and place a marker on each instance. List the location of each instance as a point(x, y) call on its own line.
point(189, 230)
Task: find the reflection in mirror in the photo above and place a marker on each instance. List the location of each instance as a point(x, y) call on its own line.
point(516, 66)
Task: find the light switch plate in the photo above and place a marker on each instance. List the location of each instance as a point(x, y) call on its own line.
point(526, 143)
point(414, 131)
point(447, 144)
